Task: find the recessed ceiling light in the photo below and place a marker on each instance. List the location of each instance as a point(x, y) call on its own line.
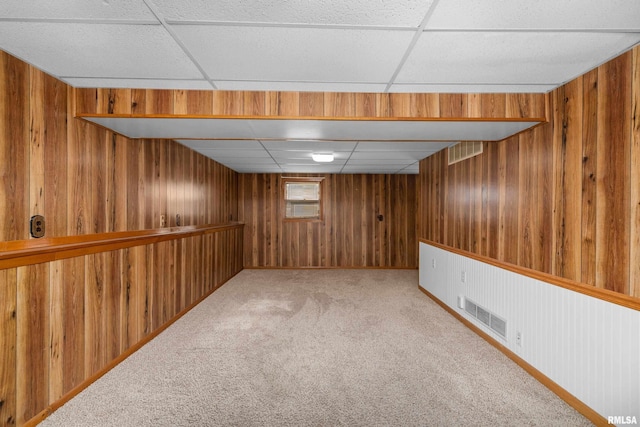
point(322, 157)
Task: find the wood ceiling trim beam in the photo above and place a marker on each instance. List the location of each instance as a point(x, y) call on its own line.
point(309, 105)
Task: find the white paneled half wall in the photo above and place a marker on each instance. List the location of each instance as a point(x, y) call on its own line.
point(588, 346)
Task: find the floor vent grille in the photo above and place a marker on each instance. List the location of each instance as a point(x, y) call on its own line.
point(491, 320)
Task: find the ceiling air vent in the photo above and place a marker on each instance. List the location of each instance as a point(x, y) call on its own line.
point(464, 150)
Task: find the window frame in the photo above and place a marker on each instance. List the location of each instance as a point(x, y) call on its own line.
point(303, 180)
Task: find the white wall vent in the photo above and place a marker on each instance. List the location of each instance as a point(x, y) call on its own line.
point(464, 150)
point(492, 321)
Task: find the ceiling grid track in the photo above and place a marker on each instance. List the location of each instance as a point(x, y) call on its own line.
point(152, 7)
point(414, 40)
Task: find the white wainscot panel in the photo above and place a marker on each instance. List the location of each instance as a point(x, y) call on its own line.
point(588, 346)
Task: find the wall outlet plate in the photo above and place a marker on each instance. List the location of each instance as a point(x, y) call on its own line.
point(37, 226)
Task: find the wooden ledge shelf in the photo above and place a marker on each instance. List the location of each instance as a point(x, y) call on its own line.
point(602, 294)
point(27, 252)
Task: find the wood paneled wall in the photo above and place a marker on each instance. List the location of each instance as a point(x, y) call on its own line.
point(84, 179)
point(309, 104)
point(563, 198)
point(350, 235)
point(62, 321)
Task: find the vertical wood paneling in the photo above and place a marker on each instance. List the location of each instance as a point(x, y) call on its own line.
point(509, 240)
point(65, 320)
point(158, 102)
point(14, 148)
point(589, 163)
point(8, 345)
point(73, 355)
point(613, 170)
point(349, 234)
point(57, 333)
point(36, 143)
point(78, 189)
point(62, 321)
point(561, 198)
point(55, 149)
point(567, 199)
point(634, 256)
point(33, 341)
point(95, 331)
point(309, 104)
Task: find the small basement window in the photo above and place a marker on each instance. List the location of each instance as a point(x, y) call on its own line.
point(303, 199)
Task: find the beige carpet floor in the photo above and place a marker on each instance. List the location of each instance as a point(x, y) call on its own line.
point(317, 348)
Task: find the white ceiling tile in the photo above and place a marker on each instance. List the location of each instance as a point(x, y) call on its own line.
point(370, 170)
point(410, 156)
point(317, 168)
point(104, 50)
point(408, 13)
point(300, 86)
point(542, 14)
point(401, 146)
point(470, 88)
point(513, 58)
point(354, 130)
point(295, 54)
point(246, 162)
point(386, 160)
point(221, 144)
point(129, 10)
point(310, 145)
point(306, 155)
point(257, 169)
point(309, 163)
point(232, 154)
point(177, 128)
point(124, 83)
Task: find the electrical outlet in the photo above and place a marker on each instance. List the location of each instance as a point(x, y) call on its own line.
point(518, 339)
point(463, 276)
point(163, 221)
point(37, 226)
point(433, 263)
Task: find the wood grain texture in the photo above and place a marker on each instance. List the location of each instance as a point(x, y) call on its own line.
point(14, 148)
point(65, 312)
point(8, 336)
point(303, 104)
point(561, 198)
point(634, 250)
point(613, 170)
point(33, 341)
point(349, 235)
point(64, 321)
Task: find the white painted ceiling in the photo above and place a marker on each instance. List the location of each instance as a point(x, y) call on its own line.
point(466, 46)
point(276, 145)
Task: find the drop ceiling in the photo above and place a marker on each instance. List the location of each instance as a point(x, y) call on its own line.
point(462, 46)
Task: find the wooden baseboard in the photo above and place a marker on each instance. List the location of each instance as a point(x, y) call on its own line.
point(570, 399)
point(128, 352)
